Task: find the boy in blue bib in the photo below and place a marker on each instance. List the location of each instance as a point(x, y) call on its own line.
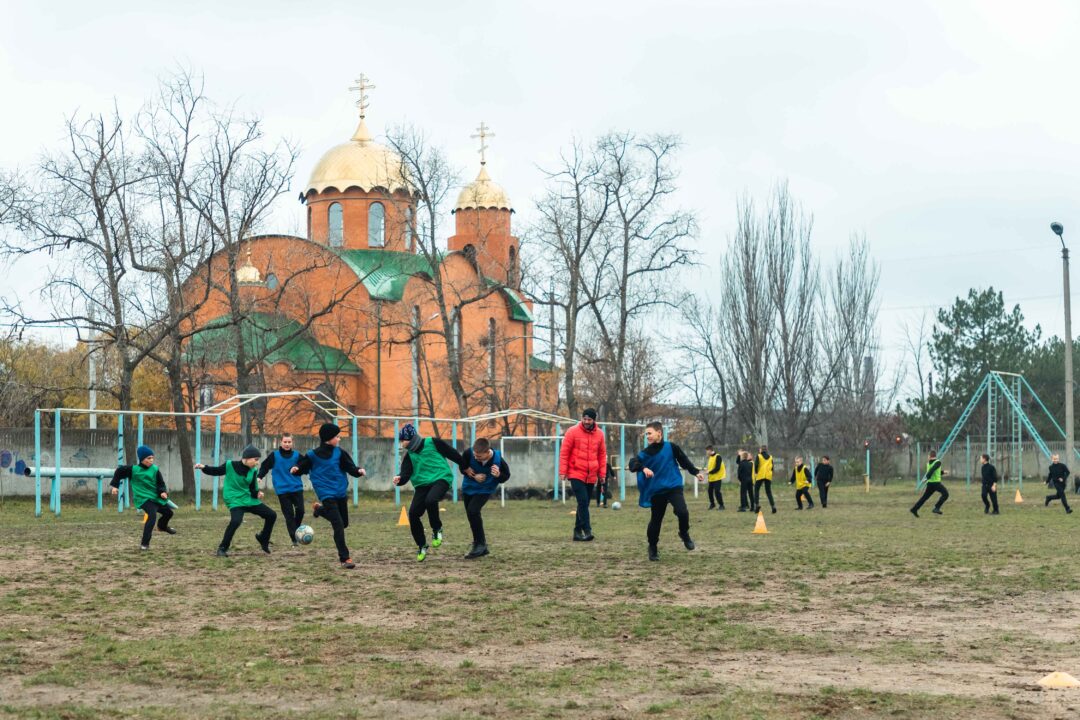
point(660, 483)
point(483, 470)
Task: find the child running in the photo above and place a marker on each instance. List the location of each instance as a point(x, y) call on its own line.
point(148, 492)
point(989, 484)
point(800, 478)
point(716, 472)
point(933, 485)
point(424, 465)
point(241, 493)
point(329, 467)
point(483, 470)
point(823, 475)
point(1058, 475)
point(660, 483)
point(288, 487)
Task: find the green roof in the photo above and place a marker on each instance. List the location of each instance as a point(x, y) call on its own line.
point(518, 310)
point(262, 331)
point(385, 272)
point(540, 364)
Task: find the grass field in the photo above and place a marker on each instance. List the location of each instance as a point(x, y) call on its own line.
point(858, 611)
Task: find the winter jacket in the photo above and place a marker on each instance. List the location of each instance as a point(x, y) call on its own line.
point(583, 455)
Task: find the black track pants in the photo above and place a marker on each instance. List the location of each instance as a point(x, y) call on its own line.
point(236, 516)
point(426, 499)
point(660, 502)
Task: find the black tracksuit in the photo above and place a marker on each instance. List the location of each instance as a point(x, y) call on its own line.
point(292, 503)
point(989, 495)
point(673, 496)
point(151, 508)
point(334, 510)
point(823, 475)
point(716, 496)
point(602, 486)
point(933, 487)
point(426, 498)
point(1058, 475)
point(236, 514)
point(801, 493)
point(746, 484)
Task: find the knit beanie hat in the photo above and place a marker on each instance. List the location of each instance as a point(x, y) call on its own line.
point(589, 413)
point(407, 433)
point(251, 452)
point(329, 431)
point(143, 452)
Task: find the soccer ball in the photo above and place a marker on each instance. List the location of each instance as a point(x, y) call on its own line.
point(304, 534)
point(616, 505)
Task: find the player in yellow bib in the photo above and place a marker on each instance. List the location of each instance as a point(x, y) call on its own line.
point(800, 478)
point(716, 472)
point(763, 472)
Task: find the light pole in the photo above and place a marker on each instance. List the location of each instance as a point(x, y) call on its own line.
point(1058, 230)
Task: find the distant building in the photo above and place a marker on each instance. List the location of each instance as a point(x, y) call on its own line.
point(378, 346)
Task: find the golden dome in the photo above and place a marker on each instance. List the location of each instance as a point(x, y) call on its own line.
point(248, 274)
point(483, 193)
point(361, 163)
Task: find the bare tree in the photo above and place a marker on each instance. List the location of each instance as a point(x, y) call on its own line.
point(703, 365)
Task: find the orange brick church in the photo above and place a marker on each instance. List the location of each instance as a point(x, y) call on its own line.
point(356, 308)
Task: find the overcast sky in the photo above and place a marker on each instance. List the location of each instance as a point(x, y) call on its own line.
point(945, 131)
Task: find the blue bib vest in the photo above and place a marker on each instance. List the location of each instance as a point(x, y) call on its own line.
point(489, 485)
point(327, 478)
point(284, 481)
point(666, 474)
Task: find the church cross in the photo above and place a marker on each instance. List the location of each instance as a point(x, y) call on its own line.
point(363, 84)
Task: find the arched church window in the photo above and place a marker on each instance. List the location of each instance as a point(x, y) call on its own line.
point(410, 229)
point(337, 225)
point(470, 254)
point(272, 281)
point(455, 330)
point(376, 227)
point(511, 268)
point(206, 396)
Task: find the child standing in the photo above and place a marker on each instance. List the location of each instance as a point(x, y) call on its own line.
point(329, 467)
point(989, 484)
point(483, 470)
point(800, 478)
point(424, 465)
point(288, 487)
point(660, 483)
point(148, 492)
point(241, 493)
point(746, 481)
point(716, 472)
point(823, 475)
point(602, 485)
point(763, 472)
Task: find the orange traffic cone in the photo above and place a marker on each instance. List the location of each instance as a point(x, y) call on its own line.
point(403, 519)
point(759, 526)
point(1019, 499)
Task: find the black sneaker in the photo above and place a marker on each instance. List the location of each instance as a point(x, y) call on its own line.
point(579, 536)
point(712, 507)
point(720, 507)
point(348, 564)
point(170, 530)
point(1068, 511)
point(264, 544)
point(937, 511)
point(476, 551)
point(222, 552)
point(773, 509)
point(995, 513)
point(1047, 503)
point(688, 542)
point(654, 554)
point(742, 509)
point(295, 544)
point(914, 512)
point(986, 511)
point(588, 538)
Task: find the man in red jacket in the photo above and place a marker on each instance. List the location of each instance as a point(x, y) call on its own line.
point(583, 460)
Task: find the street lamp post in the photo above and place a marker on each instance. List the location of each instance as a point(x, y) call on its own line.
point(1058, 230)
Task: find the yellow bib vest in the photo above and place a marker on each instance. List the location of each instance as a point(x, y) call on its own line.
point(802, 478)
point(764, 471)
point(717, 471)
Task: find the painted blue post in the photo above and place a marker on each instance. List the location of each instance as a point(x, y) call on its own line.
point(139, 432)
point(121, 495)
point(37, 463)
point(558, 434)
point(622, 463)
point(356, 459)
point(918, 459)
point(453, 441)
point(867, 462)
point(397, 461)
point(198, 461)
point(217, 458)
point(56, 462)
point(100, 482)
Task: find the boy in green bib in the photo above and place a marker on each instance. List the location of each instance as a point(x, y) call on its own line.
point(424, 465)
point(242, 495)
point(149, 493)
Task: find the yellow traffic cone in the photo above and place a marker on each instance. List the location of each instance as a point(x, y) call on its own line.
point(403, 519)
point(1019, 499)
point(759, 526)
point(1059, 680)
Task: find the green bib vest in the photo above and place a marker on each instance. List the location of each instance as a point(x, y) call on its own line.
point(144, 485)
point(429, 466)
point(936, 477)
point(236, 491)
